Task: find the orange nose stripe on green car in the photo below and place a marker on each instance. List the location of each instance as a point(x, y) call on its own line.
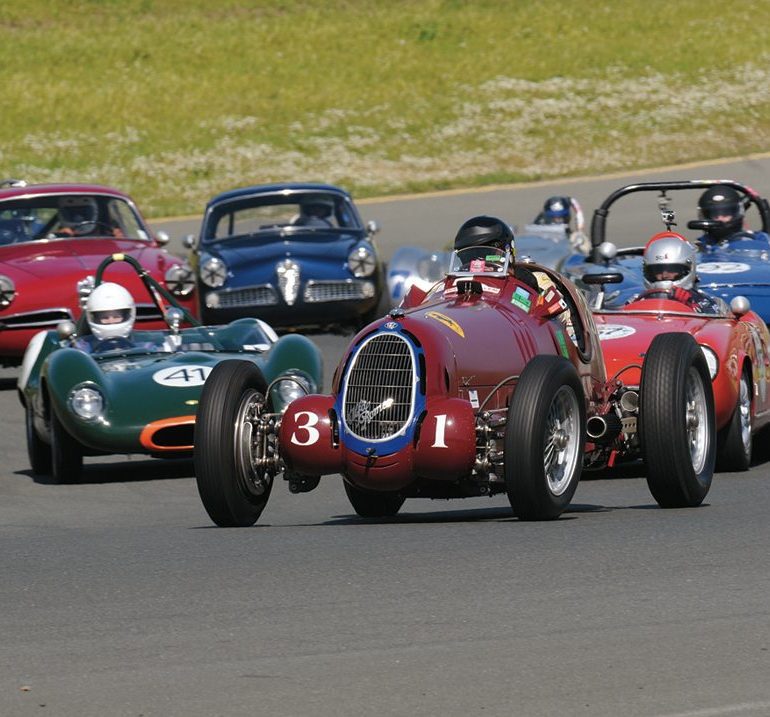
point(169, 435)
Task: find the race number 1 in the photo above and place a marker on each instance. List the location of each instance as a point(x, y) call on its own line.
point(440, 431)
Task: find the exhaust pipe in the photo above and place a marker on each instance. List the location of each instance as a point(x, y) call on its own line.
point(603, 429)
point(629, 402)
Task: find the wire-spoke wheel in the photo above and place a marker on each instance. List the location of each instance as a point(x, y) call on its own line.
point(544, 439)
point(677, 421)
point(232, 481)
point(734, 449)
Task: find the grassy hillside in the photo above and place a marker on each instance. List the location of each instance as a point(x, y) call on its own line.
point(175, 100)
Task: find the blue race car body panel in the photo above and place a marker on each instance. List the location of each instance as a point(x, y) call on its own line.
point(738, 266)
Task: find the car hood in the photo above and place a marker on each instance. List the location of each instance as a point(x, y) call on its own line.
point(626, 335)
point(321, 246)
point(44, 260)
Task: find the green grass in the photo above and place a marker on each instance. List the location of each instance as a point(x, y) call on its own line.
point(177, 100)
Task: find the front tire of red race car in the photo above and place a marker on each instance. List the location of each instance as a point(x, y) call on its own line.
point(66, 453)
point(373, 504)
point(734, 441)
point(677, 421)
point(544, 439)
point(38, 451)
point(234, 493)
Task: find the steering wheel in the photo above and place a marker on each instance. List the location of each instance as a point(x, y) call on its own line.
point(83, 228)
point(113, 344)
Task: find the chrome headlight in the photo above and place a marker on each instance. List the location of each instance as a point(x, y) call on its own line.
point(180, 279)
point(86, 402)
point(7, 291)
point(711, 360)
point(288, 280)
point(362, 262)
point(292, 386)
point(213, 272)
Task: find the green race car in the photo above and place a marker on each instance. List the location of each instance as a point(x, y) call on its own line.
point(141, 396)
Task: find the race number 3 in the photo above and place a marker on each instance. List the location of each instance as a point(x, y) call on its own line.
point(305, 429)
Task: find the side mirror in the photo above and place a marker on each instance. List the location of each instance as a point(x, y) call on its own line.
point(607, 250)
point(162, 237)
point(188, 241)
point(174, 318)
point(703, 225)
point(740, 305)
point(65, 330)
point(372, 227)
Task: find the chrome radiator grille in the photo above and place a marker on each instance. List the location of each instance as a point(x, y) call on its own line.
point(320, 291)
point(379, 392)
point(263, 295)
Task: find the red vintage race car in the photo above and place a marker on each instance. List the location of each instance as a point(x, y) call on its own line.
point(483, 386)
point(735, 342)
point(52, 238)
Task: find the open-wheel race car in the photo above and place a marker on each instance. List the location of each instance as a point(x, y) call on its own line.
point(483, 386)
point(86, 392)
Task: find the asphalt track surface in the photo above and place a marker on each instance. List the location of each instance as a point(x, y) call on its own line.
point(118, 597)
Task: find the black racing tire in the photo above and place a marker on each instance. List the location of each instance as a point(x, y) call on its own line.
point(232, 494)
point(373, 504)
point(734, 440)
point(544, 439)
point(38, 451)
point(677, 421)
point(66, 453)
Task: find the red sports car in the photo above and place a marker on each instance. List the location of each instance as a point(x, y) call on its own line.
point(486, 385)
point(736, 344)
point(52, 238)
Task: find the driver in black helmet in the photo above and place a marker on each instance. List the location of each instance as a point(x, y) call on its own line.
point(722, 205)
point(491, 232)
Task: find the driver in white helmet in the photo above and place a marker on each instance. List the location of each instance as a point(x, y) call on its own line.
point(110, 313)
point(669, 272)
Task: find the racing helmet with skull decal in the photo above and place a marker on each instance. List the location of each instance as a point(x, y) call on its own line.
point(669, 262)
point(721, 204)
point(110, 311)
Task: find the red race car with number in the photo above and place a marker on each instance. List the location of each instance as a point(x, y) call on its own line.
point(735, 342)
point(483, 386)
point(52, 238)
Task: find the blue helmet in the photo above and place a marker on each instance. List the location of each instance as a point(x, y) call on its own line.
point(556, 210)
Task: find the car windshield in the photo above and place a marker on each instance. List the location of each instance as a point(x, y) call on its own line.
point(67, 216)
point(207, 339)
point(479, 260)
point(307, 211)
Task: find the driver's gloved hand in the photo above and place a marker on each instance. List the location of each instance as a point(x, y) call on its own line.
point(681, 294)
